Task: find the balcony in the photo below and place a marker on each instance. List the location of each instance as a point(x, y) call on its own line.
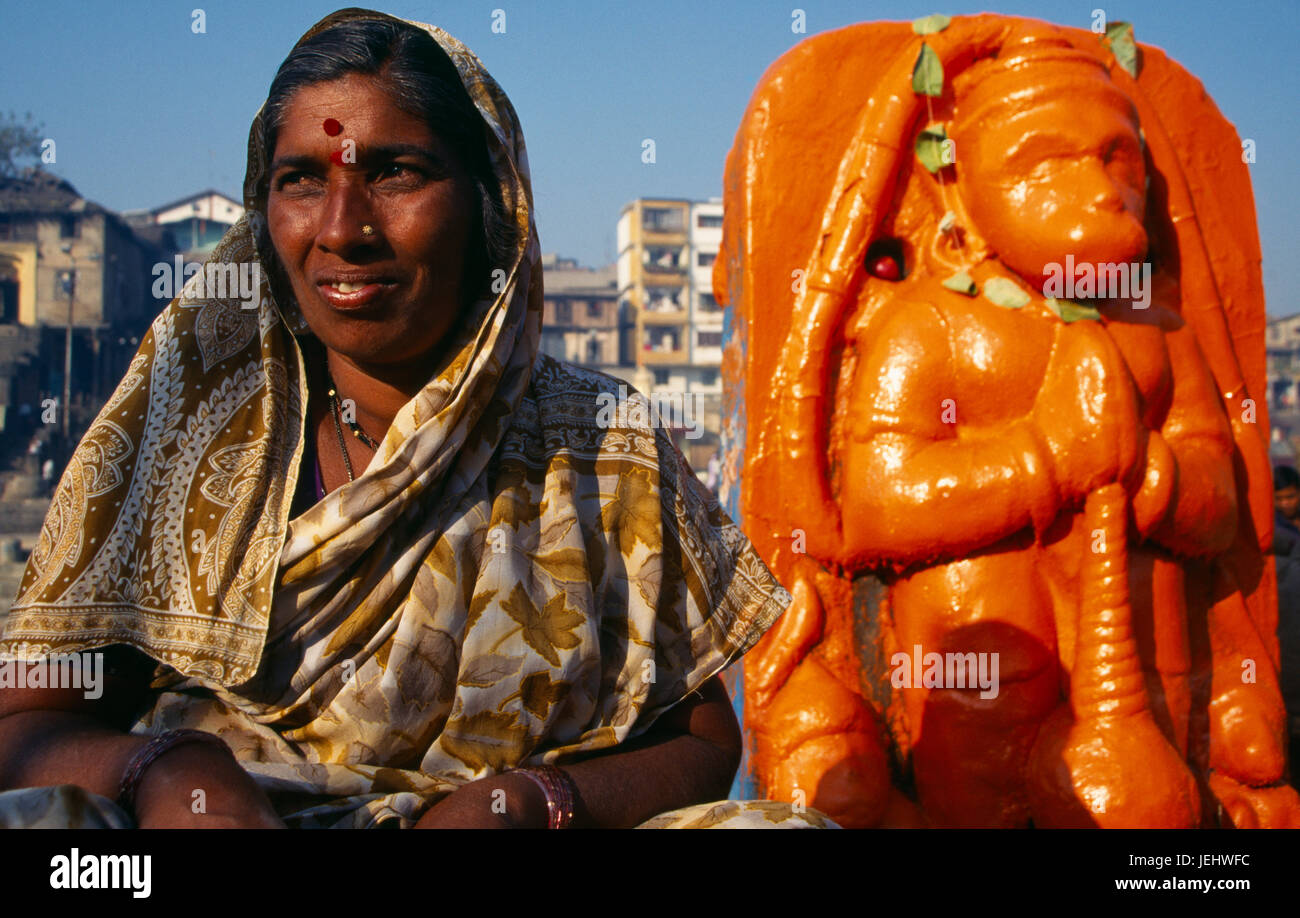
point(659, 276)
point(664, 316)
point(663, 358)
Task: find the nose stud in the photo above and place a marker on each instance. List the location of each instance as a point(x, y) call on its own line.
point(367, 230)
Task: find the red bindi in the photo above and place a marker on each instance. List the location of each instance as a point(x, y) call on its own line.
point(332, 127)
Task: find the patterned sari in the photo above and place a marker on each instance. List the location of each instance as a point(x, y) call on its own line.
point(509, 582)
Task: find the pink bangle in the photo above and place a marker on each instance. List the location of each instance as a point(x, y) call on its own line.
point(150, 753)
point(561, 793)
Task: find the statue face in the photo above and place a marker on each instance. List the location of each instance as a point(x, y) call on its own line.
point(1062, 176)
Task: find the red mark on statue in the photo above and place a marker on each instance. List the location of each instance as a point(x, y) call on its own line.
point(332, 127)
point(885, 268)
point(337, 157)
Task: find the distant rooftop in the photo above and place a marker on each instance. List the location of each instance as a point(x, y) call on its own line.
point(564, 275)
point(40, 192)
point(197, 196)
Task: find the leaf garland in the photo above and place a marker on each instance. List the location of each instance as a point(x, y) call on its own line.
point(961, 282)
point(1069, 311)
point(1119, 38)
point(927, 73)
point(930, 147)
point(1005, 293)
point(935, 22)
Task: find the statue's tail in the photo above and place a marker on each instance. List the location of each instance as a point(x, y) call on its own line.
point(1102, 760)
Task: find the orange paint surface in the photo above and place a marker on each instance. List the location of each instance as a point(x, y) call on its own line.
point(1084, 508)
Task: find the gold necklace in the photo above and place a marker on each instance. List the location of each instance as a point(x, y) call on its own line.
point(336, 411)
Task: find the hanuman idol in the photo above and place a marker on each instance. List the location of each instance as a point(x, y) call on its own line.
point(959, 439)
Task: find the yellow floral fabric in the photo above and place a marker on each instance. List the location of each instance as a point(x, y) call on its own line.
point(508, 582)
point(70, 807)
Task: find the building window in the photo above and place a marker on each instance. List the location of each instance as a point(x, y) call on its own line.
point(69, 227)
point(663, 299)
point(8, 301)
point(709, 303)
point(6, 226)
point(564, 312)
point(662, 220)
point(594, 311)
point(709, 221)
point(593, 350)
point(709, 378)
point(705, 259)
point(709, 339)
point(657, 258)
point(661, 377)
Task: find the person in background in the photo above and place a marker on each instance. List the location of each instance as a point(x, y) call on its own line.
point(1286, 549)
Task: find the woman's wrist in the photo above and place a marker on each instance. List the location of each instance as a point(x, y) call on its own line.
point(508, 800)
point(196, 784)
point(559, 792)
point(146, 756)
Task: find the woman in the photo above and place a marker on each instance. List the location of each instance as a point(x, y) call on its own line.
point(407, 627)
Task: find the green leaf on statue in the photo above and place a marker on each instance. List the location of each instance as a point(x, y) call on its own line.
point(1005, 293)
point(962, 283)
point(929, 147)
point(927, 73)
point(935, 22)
point(1119, 35)
point(1070, 311)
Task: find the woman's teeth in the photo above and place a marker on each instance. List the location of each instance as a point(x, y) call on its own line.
point(348, 288)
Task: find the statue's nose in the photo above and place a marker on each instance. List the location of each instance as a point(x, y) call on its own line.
point(1101, 191)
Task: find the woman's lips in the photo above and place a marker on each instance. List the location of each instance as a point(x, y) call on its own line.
point(355, 296)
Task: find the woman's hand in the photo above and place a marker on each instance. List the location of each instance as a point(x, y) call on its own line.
point(505, 801)
point(196, 786)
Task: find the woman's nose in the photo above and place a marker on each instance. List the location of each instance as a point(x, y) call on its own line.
point(345, 215)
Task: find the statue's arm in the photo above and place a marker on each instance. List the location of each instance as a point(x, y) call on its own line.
point(919, 480)
point(1191, 458)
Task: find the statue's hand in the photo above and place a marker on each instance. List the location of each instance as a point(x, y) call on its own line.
point(1155, 493)
point(1087, 413)
point(799, 628)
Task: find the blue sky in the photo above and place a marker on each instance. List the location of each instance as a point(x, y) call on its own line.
point(144, 111)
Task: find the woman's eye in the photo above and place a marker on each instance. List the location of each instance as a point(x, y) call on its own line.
point(398, 170)
point(291, 180)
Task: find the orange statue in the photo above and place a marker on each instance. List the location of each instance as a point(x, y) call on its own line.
point(1026, 526)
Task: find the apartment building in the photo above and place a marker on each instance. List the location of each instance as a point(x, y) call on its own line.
point(580, 322)
point(673, 330)
point(1282, 346)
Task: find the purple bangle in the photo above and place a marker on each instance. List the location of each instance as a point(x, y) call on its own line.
point(150, 753)
point(561, 793)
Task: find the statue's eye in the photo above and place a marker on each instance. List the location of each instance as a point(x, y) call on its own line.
point(885, 259)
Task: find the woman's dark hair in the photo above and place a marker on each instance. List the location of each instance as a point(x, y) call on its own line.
point(1285, 477)
point(423, 83)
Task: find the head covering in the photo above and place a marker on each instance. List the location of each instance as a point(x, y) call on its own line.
point(513, 578)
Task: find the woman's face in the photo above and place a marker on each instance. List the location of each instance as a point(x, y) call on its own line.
point(382, 168)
